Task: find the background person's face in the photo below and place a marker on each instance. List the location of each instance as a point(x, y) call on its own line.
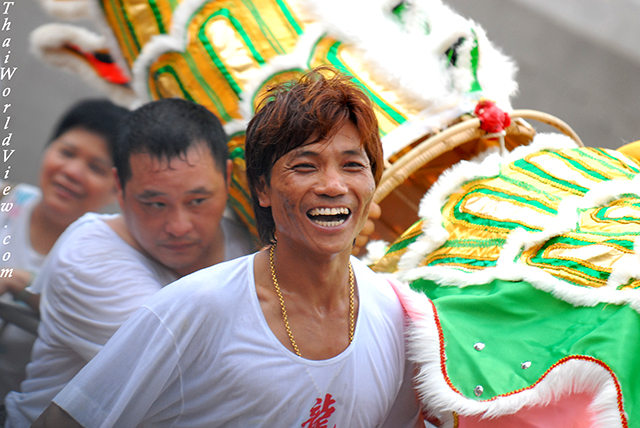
point(320, 193)
point(173, 208)
point(76, 174)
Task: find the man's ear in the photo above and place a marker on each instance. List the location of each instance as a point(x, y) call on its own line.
point(229, 172)
point(263, 191)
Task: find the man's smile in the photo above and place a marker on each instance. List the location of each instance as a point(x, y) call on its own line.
point(329, 217)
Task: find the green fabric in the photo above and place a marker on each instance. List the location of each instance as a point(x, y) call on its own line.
point(158, 16)
point(334, 59)
point(519, 323)
point(526, 166)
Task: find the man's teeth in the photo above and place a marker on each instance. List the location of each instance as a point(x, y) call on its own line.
point(335, 216)
point(329, 211)
point(329, 223)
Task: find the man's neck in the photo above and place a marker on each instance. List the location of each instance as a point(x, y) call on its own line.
point(119, 226)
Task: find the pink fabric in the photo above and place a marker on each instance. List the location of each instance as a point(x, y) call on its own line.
point(408, 299)
point(570, 411)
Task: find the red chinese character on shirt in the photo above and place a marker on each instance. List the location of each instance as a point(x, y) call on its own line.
point(320, 413)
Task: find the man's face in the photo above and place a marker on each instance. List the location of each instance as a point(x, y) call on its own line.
point(75, 176)
point(173, 208)
point(320, 193)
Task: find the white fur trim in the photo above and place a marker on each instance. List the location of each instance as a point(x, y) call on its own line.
point(234, 126)
point(391, 50)
point(375, 251)
point(66, 9)
point(47, 43)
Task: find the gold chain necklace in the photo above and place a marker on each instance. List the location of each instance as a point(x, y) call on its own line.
point(284, 310)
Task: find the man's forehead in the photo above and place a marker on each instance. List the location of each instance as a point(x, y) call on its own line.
point(315, 149)
point(196, 154)
point(147, 193)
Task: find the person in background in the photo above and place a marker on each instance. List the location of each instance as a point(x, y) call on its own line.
point(173, 175)
point(75, 177)
point(300, 334)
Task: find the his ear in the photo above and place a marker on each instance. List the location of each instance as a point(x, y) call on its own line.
point(229, 172)
point(264, 192)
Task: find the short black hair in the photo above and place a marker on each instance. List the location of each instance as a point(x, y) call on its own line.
point(166, 129)
point(98, 116)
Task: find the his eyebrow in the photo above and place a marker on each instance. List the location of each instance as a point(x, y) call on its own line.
point(148, 194)
point(354, 152)
point(200, 191)
point(350, 152)
point(103, 162)
point(302, 153)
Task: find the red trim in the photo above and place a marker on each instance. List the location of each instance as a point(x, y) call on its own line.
point(109, 71)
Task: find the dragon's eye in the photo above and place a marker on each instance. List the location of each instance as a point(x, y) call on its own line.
point(399, 9)
point(413, 20)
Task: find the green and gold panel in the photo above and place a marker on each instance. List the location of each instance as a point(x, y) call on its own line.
point(134, 22)
point(527, 194)
point(390, 109)
point(229, 41)
point(176, 74)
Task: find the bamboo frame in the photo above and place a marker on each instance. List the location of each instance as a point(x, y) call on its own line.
point(450, 138)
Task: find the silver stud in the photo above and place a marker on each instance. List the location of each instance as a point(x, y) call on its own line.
point(479, 346)
point(525, 365)
point(478, 390)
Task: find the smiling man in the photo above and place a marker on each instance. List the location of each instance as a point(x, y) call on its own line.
point(302, 335)
point(173, 176)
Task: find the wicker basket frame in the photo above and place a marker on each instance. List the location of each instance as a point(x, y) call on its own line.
point(453, 136)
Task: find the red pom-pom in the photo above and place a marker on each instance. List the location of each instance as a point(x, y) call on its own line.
point(492, 119)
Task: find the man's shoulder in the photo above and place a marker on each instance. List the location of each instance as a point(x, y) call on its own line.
point(376, 290)
point(219, 276)
point(218, 286)
point(92, 233)
point(90, 244)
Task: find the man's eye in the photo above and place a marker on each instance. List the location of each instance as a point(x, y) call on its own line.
point(66, 153)
point(304, 167)
point(198, 201)
point(354, 165)
point(98, 169)
point(154, 204)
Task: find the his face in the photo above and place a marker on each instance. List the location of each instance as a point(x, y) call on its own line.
point(173, 208)
point(76, 174)
point(320, 193)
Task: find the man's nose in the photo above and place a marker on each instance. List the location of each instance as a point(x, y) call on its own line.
point(179, 223)
point(332, 183)
point(75, 170)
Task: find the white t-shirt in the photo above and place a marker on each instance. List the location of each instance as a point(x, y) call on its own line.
point(90, 284)
point(201, 354)
point(15, 343)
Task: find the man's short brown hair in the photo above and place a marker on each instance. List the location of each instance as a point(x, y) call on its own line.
point(304, 112)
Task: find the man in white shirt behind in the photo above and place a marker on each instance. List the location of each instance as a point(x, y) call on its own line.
point(173, 175)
